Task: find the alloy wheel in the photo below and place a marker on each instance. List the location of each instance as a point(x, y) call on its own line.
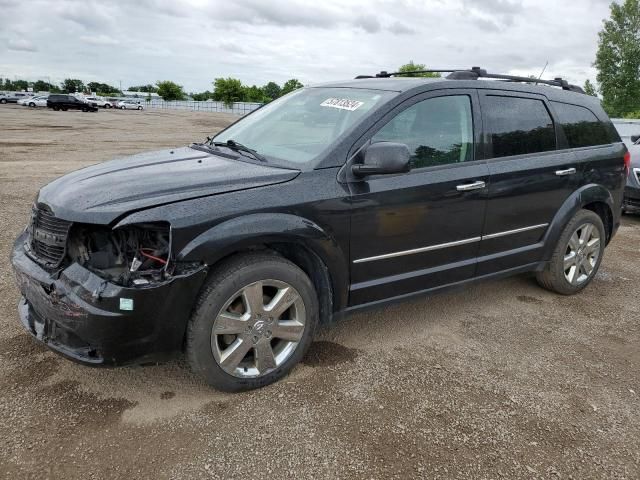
point(258, 329)
point(582, 254)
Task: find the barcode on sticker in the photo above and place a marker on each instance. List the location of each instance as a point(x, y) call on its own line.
point(342, 104)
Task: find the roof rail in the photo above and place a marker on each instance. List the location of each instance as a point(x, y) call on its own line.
point(476, 72)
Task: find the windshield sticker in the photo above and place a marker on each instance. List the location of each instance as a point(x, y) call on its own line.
point(342, 104)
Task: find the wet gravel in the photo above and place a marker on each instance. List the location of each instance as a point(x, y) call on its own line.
point(501, 380)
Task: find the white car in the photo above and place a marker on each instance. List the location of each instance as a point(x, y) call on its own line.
point(23, 100)
point(129, 105)
point(99, 102)
point(38, 101)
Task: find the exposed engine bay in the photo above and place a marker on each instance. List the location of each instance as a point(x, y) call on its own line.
point(130, 256)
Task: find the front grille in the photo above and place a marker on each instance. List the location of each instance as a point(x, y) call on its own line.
point(48, 236)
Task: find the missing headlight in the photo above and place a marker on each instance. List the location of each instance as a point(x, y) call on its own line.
point(131, 255)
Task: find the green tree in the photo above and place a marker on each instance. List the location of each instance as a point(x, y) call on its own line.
point(618, 59)
point(71, 85)
point(254, 94)
point(291, 85)
point(169, 90)
point(228, 90)
point(416, 67)
point(590, 89)
point(272, 91)
point(143, 88)
point(20, 85)
point(42, 86)
point(203, 96)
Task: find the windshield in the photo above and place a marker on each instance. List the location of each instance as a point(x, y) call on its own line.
point(297, 128)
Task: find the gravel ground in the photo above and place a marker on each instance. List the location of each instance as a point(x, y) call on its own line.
point(499, 380)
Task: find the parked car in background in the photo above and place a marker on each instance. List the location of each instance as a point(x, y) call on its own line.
point(14, 97)
point(69, 102)
point(24, 99)
point(37, 101)
point(333, 199)
point(629, 131)
point(130, 105)
point(99, 102)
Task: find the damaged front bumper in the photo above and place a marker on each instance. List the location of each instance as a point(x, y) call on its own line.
point(88, 319)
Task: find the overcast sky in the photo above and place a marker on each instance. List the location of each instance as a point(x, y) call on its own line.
point(194, 41)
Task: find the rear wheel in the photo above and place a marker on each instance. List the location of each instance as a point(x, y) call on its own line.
point(3, 100)
point(577, 256)
point(123, 107)
point(85, 109)
point(56, 108)
point(32, 105)
point(139, 108)
point(254, 320)
point(64, 109)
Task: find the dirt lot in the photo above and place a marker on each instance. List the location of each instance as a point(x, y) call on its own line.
point(500, 380)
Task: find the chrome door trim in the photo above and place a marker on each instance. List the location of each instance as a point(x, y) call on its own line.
point(449, 244)
point(466, 187)
point(568, 171)
point(419, 250)
point(512, 232)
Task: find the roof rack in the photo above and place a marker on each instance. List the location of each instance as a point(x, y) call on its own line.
point(476, 72)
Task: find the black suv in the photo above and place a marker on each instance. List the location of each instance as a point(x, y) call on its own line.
point(329, 200)
point(69, 102)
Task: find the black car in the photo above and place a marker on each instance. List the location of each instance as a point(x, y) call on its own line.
point(327, 201)
point(69, 102)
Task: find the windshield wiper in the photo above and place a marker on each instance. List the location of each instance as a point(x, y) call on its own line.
point(238, 147)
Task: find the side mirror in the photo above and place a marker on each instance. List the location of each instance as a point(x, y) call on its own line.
point(635, 138)
point(383, 158)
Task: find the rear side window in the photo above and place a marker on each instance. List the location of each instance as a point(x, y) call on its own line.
point(518, 126)
point(581, 127)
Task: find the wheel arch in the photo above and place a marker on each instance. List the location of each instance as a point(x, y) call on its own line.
point(592, 197)
point(297, 239)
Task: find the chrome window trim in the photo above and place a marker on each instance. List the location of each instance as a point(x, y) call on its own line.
point(449, 244)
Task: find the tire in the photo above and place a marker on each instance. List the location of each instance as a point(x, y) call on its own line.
point(577, 256)
point(56, 108)
point(64, 109)
point(139, 108)
point(85, 109)
point(3, 101)
point(32, 105)
point(229, 289)
point(123, 108)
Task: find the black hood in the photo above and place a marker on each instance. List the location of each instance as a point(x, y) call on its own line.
point(101, 193)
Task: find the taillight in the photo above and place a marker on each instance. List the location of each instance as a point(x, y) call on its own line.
point(627, 162)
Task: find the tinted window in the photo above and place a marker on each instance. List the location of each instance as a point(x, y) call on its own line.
point(437, 131)
point(518, 126)
point(581, 127)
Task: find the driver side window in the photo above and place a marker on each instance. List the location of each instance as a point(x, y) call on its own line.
point(437, 131)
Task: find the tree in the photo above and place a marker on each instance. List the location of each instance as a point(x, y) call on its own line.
point(291, 85)
point(590, 88)
point(71, 85)
point(144, 88)
point(169, 90)
point(203, 96)
point(228, 90)
point(618, 59)
point(42, 86)
point(416, 67)
point(20, 85)
point(101, 88)
point(272, 91)
point(254, 94)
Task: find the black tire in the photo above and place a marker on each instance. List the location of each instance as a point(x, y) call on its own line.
point(64, 109)
point(85, 109)
point(553, 276)
point(123, 108)
point(56, 108)
point(222, 285)
point(3, 100)
point(139, 108)
point(32, 105)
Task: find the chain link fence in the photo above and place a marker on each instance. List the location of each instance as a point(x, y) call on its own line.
point(238, 108)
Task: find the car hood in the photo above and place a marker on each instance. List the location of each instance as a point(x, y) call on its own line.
point(104, 192)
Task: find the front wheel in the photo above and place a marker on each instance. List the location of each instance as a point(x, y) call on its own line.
point(577, 256)
point(3, 100)
point(139, 108)
point(254, 320)
point(123, 108)
point(32, 105)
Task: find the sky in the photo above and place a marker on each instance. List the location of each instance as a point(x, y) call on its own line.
point(192, 42)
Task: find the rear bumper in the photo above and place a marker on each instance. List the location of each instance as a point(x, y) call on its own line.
point(78, 314)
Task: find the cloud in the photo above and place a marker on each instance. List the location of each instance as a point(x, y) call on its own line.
point(368, 23)
point(21, 45)
point(400, 28)
point(100, 39)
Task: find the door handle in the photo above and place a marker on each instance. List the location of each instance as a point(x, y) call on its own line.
point(471, 186)
point(568, 171)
